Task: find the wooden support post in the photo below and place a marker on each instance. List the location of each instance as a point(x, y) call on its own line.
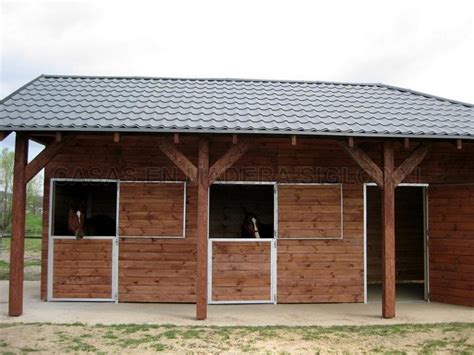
point(293, 140)
point(459, 143)
point(17, 251)
point(179, 159)
point(388, 228)
point(59, 136)
point(406, 143)
point(351, 142)
point(116, 137)
point(364, 161)
point(228, 159)
point(234, 139)
point(45, 156)
point(202, 240)
point(176, 138)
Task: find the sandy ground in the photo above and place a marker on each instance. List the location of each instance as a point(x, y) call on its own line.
point(46, 338)
point(36, 310)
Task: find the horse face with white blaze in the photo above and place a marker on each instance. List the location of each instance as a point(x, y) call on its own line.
point(253, 228)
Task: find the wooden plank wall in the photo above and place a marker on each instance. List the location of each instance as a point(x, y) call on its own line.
point(241, 271)
point(409, 229)
point(309, 211)
point(311, 271)
point(451, 244)
point(160, 270)
point(151, 209)
point(82, 268)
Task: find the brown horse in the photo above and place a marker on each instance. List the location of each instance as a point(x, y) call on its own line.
point(252, 228)
point(80, 226)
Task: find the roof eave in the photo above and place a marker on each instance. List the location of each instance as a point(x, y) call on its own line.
point(232, 131)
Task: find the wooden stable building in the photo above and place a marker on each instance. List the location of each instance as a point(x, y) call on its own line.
point(360, 191)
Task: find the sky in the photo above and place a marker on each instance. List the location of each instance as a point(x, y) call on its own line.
point(422, 45)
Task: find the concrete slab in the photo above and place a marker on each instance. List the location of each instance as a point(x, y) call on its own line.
point(36, 310)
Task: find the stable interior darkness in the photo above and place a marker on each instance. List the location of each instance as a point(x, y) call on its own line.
point(409, 243)
point(98, 199)
point(228, 203)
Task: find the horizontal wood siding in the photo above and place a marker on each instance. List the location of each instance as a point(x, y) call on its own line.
point(153, 270)
point(160, 270)
point(151, 210)
point(309, 211)
point(451, 244)
point(313, 271)
point(82, 268)
point(241, 271)
point(308, 270)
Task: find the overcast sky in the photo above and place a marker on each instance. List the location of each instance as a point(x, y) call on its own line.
point(422, 45)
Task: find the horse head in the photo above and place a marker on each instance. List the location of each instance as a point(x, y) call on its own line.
point(250, 225)
point(76, 219)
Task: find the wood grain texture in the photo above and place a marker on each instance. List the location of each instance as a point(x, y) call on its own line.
point(388, 232)
point(241, 271)
point(275, 159)
point(309, 211)
point(325, 271)
point(151, 210)
point(451, 244)
point(202, 229)
point(82, 268)
point(17, 251)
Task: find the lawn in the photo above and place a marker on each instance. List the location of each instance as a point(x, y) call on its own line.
point(455, 338)
point(32, 258)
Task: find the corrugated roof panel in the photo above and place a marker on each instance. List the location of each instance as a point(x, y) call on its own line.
point(224, 105)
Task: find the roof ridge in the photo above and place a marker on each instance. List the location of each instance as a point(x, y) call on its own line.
point(424, 94)
point(342, 83)
point(208, 79)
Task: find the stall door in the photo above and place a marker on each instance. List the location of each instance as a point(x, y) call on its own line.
point(82, 270)
point(241, 271)
point(451, 244)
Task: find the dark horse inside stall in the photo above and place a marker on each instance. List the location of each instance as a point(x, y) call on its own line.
point(253, 228)
point(80, 226)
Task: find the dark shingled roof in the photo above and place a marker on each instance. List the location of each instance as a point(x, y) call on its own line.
point(232, 106)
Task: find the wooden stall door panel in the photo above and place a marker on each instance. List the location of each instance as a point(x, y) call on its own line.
point(241, 271)
point(451, 244)
point(82, 268)
point(151, 210)
point(310, 211)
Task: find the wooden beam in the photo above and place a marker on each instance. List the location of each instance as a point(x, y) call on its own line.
point(227, 160)
point(388, 228)
point(406, 143)
point(234, 139)
point(351, 142)
point(293, 140)
point(459, 143)
point(116, 137)
point(202, 220)
point(4, 135)
point(410, 163)
point(176, 138)
point(179, 159)
point(44, 157)
point(365, 162)
point(17, 249)
point(58, 136)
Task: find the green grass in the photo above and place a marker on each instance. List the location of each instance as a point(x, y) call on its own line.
point(424, 338)
point(32, 259)
point(31, 244)
point(33, 225)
